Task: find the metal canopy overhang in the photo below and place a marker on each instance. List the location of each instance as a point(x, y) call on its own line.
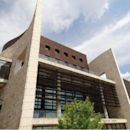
point(74, 71)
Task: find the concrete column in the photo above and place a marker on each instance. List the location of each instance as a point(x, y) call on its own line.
point(58, 105)
point(32, 57)
point(103, 102)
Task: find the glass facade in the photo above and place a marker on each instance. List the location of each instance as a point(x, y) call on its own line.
point(45, 102)
point(49, 97)
point(67, 96)
point(4, 69)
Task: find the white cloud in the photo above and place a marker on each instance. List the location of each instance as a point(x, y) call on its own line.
point(126, 76)
point(60, 14)
point(113, 37)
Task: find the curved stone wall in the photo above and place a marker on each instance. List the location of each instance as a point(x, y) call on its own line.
point(106, 63)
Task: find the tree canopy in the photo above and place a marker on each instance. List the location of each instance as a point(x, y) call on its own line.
point(80, 115)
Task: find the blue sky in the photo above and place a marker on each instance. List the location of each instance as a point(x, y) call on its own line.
point(89, 26)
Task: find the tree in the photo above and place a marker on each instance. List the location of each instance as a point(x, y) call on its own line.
point(80, 115)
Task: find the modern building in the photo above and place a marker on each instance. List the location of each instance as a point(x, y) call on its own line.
point(39, 76)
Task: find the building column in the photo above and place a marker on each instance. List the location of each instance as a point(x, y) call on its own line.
point(103, 102)
point(58, 105)
point(31, 64)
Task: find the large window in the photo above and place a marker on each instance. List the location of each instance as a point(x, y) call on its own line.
point(45, 102)
point(49, 98)
point(4, 69)
point(67, 96)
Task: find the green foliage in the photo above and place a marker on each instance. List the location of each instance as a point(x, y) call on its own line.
point(80, 115)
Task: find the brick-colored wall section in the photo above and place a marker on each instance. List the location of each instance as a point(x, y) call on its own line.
point(61, 56)
point(106, 62)
point(127, 84)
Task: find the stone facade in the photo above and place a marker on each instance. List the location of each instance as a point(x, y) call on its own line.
point(106, 63)
point(19, 93)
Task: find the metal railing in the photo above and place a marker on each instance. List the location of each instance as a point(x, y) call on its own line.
point(66, 64)
point(70, 65)
point(44, 114)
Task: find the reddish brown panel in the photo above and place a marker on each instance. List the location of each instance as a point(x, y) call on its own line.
point(57, 51)
point(66, 54)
